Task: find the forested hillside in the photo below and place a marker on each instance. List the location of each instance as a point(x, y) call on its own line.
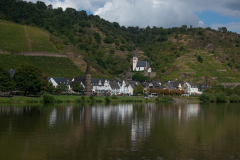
point(178, 53)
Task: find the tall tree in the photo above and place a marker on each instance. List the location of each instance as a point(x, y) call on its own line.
point(6, 83)
point(30, 78)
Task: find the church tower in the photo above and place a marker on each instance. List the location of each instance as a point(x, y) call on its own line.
point(88, 86)
point(135, 60)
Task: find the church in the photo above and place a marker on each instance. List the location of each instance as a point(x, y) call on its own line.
point(140, 65)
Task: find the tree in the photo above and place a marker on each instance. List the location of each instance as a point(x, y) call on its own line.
point(6, 83)
point(30, 78)
point(78, 87)
point(97, 37)
point(50, 87)
point(139, 89)
point(139, 77)
point(200, 59)
point(61, 87)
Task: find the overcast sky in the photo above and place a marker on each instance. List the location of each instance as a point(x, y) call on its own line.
point(161, 13)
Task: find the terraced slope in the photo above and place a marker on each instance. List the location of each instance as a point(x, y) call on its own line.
point(12, 37)
point(18, 38)
point(53, 66)
point(211, 70)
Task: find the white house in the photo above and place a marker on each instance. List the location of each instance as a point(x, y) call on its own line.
point(191, 88)
point(140, 65)
point(114, 88)
point(100, 85)
point(130, 89)
point(58, 80)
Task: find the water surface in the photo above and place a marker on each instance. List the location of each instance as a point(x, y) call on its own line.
point(120, 131)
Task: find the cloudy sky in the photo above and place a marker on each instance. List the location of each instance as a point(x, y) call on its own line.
point(161, 13)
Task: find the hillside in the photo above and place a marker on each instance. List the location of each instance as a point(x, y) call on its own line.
point(53, 66)
point(173, 52)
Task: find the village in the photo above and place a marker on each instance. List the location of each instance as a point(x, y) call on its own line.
point(127, 87)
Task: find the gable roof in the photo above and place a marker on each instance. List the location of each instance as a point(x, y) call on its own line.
point(169, 85)
point(12, 72)
point(192, 84)
point(142, 64)
point(95, 81)
point(60, 80)
point(114, 85)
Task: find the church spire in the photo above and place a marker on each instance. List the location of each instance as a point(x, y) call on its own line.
point(135, 54)
point(88, 69)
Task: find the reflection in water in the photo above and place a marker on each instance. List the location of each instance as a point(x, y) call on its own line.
point(132, 131)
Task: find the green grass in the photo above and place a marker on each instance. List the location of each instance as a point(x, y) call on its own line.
point(40, 41)
point(53, 66)
point(12, 37)
point(69, 98)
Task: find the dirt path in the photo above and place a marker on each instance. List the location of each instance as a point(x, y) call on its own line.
point(28, 39)
point(41, 54)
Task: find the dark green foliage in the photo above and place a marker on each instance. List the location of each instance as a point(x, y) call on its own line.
point(200, 59)
point(114, 97)
point(206, 97)
point(230, 64)
point(181, 48)
point(6, 82)
point(139, 89)
point(61, 88)
point(47, 98)
point(200, 32)
point(91, 97)
point(78, 88)
point(97, 37)
point(83, 98)
point(176, 36)
point(237, 45)
point(122, 47)
point(50, 87)
point(221, 97)
point(139, 77)
point(162, 38)
point(30, 78)
point(107, 99)
point(109, 39)
point(234, 98)
point(112, 51)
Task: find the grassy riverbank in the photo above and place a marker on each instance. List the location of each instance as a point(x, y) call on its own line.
point(69, 98)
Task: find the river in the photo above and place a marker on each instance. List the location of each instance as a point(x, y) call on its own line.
point(119, 131)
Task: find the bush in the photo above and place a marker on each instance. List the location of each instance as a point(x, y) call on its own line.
point(47, 98)
point(83, 98)
point(107, 99)
point(205, 97)
point(221, 97)
point(112, 51)
point(234, 98)
point(91, 97)
point(114, 97)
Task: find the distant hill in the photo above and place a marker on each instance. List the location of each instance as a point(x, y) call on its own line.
point(173, 52)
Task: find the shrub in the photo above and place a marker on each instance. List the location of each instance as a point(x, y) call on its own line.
point(107, 99)
point(221, 97)
point(114, 97)
point(112, 51)
point(47, 98)
point(91, 97)
point(205, 97)
point(234, 98)
point(83, 98)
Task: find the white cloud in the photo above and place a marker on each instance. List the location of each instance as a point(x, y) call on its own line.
point(165, 13)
